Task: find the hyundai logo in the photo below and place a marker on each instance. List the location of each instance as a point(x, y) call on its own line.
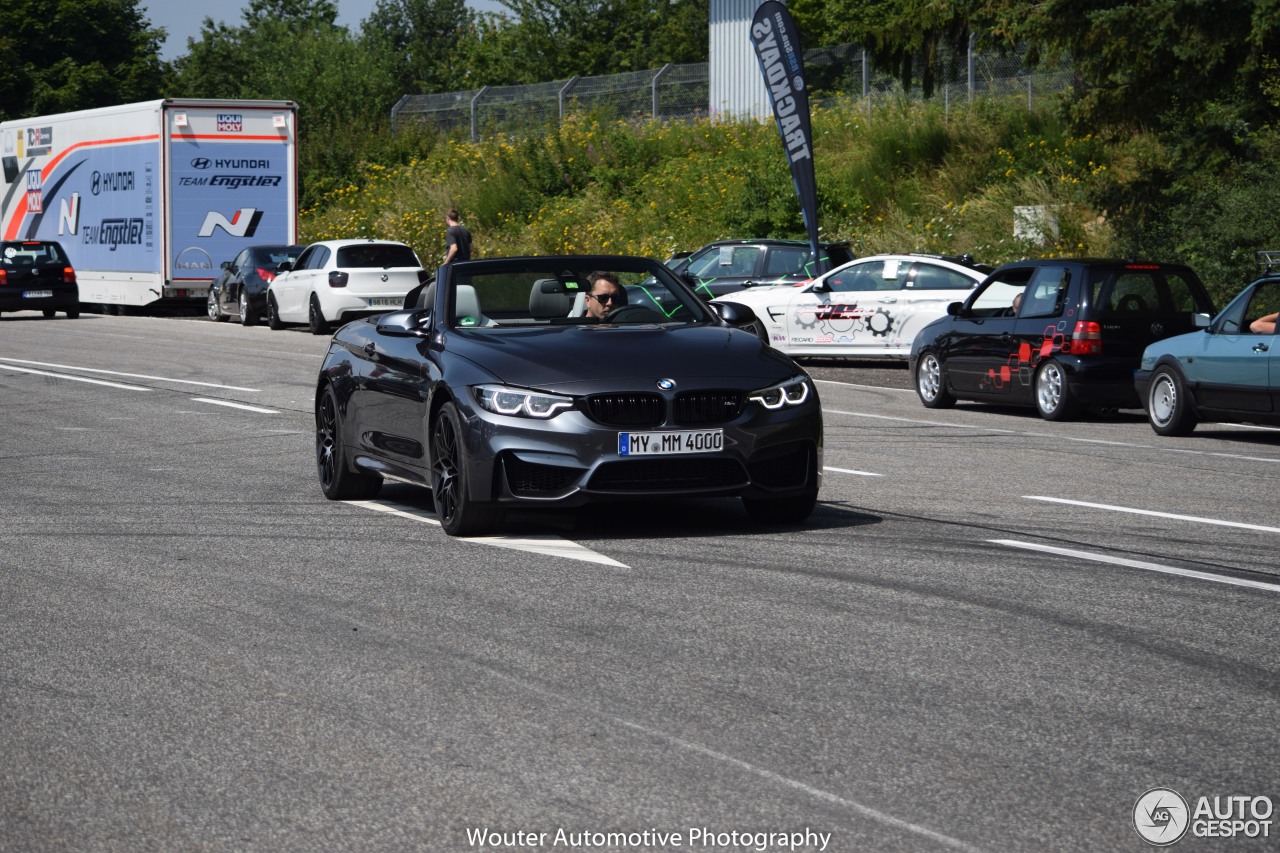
point(666, 384)
point(201, 163)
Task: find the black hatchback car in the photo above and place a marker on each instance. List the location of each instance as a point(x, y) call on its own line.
point(241, 290)
point(493, 390)
point(727, 266)
point(1057, 334)
point(36, 275)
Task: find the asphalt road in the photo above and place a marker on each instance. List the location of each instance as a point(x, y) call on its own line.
point(996, 633)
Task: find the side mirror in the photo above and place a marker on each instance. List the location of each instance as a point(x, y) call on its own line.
point(405, 324)
point(1200, 321)
point(733, 313)
point(955, 308)
point(226, 265)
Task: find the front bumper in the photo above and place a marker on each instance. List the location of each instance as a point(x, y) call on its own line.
point(571, 460)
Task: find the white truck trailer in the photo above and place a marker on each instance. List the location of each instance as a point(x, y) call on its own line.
point(148, 199)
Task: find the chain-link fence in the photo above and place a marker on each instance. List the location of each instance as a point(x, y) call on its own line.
point(683, 91)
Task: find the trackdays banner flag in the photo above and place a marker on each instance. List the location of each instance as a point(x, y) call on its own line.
point(777, 44)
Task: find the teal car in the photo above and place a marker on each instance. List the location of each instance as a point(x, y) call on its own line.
point(1229, 370)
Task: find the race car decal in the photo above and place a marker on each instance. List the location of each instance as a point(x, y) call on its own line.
point(1022, 364)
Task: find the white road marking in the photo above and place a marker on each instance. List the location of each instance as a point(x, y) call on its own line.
point(868, 387)
point(1138, 564)
point(1030, 434)
point(861, 809)
point(75, 378)
point(550, 546)
point(229, 404)
point(851, 471)
point(127, 375)
point(1198, 519)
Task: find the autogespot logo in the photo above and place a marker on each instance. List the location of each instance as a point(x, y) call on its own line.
point(1161, 816)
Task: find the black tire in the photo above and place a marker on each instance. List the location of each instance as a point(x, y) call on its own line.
point(213, 308)
point(931, 383)
point(49, 313)
point(273, 314)
point(459, 513)
point(792, 510)
point(248, 317)
point(337, 480)
point(1053, 395)
point(315, 318)
point(1169, 407)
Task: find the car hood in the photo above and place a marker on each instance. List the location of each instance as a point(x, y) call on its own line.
point(580, 359)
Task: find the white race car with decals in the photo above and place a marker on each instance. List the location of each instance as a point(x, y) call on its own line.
point(871, 307)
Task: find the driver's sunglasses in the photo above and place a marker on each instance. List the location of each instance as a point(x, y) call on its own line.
point(602, 298)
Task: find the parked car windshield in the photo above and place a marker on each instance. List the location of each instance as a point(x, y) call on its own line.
point(377, 255)
point(18, 252)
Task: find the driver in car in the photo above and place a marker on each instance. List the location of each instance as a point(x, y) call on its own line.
point(604, 296)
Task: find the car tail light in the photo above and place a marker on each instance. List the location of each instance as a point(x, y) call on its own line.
point(338, 278)
point(1085, 340)
point(266, 275)
point(68, 275)
point(4, 277)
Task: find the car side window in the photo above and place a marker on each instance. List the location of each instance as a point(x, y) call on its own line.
point(926, 276)
point(726, 261)
point(1265, 300)
point(305, 258)
point(319, 258)
point(1046, 293)
point(873, 275)
point(994, 297)
point(785, 260)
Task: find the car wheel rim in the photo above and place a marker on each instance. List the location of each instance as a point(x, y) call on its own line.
point(212, 305)
point(326, 438)
point(445, 482)
point(244, 305)
point(1164, 399)
point(312, 316)
point(930, 377)
point(1050, 391)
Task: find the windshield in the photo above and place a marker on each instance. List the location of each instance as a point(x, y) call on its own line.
point(571, 291)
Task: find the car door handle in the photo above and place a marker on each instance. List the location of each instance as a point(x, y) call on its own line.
point(888, 299)
point(1261, 348)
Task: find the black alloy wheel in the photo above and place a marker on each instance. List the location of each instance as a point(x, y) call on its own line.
point(315, 318)
point(459, 513)
point(337, 480)
point(273, 314)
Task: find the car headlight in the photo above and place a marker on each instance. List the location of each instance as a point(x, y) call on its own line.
point(793, 392)
point(520, 403)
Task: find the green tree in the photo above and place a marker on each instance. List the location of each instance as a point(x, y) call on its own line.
point(422, 41)
point(76, 54)
point(557, 39)
point(294, 50)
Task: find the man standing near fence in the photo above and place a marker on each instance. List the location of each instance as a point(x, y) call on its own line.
point(457, 238)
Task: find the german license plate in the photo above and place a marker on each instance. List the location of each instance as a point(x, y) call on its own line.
point(385, 302)
point(37, 294)
point(670, 443)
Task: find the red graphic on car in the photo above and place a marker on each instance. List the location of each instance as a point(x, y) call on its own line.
point(1023, 362)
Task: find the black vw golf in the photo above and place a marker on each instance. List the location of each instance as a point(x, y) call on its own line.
point(506, 384)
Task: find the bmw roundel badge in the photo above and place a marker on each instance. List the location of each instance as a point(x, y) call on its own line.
point(666, 384)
